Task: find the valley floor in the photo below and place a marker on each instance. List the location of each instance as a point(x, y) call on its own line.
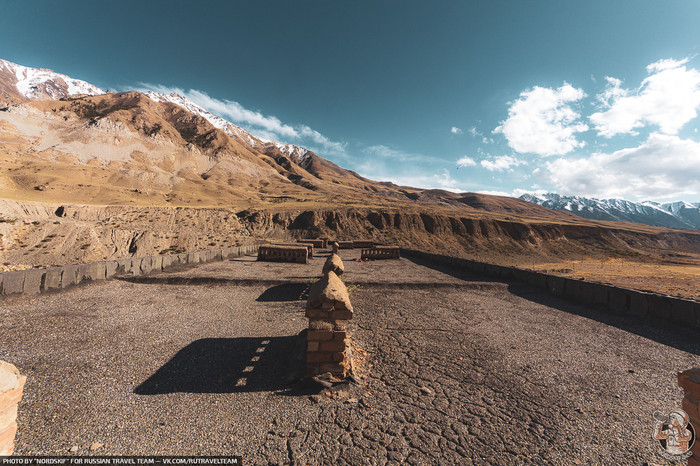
point(455, 369)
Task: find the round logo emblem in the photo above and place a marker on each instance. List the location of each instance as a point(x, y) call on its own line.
point(674, 434)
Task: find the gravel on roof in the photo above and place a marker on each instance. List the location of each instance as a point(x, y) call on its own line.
point(455, 369)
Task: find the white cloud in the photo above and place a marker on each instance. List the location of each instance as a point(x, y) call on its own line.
point(466, 162)
point(474, 132)
point(456, 130)
point(504, 162)
point(664, 166)
point(668, 98)
point(542, 121)
point(269, 127)
point(389, 153)
point(446, 182)
point(495, 193)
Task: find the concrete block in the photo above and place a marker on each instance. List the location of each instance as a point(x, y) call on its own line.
point(123, 266)
point(505, 272)
point(601, 293)
point(168, 261)
point(555, 285)
point(639, 303)
point(110, 269)
point(586, 292)
point(181, 258)
point(537, 279)
point(227, 253)
point(53, 278)
point(618, 298)
point(572, 288)
point(196, 257)
point(218, 254)
point(136, 266)
point(682, 311)
point(146, 266)
point(13, 282)
point(659, 306)
point(157, 263)
point(33, 280)
point(69, 276)
point(92, 271)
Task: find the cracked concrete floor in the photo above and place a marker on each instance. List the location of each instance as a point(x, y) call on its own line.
point(455, 370)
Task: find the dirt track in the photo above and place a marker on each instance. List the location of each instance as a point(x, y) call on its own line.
point(456, 370)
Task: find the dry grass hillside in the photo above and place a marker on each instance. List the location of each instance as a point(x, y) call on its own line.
point(116, 175)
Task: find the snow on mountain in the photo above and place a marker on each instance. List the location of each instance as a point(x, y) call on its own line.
point(295, 153)
point(673, 214)
point(39, 83)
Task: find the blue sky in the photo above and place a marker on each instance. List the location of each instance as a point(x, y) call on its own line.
point(594, 98)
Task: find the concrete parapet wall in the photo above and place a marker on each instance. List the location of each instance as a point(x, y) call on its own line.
point(620, 300)
point(35, 281)
point(380, 252)
point(363, 244)
point(11, 387)
point(345, 244)
point(279, 253)
point(317, 243)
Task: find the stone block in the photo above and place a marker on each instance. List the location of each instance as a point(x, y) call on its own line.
point(313, 345)
point(537, 279)
point(572, 288)
point(601, 294)
point(53, 278)
point(639, 303)
point(618, 298)
point(157, 264)
point(586, 292)
point(110, 269)
point(555, 285)
point(146, 266)
point(33, 280)
point(166, 261)
point(69, 275)
point(218, 254)
point(92, 271)
point(659, 306)
point(328, 289)
point(341, 314)
point(505, 272)
point(317, 314)
point(13, 282)
point(682, 311)
point(8, 417)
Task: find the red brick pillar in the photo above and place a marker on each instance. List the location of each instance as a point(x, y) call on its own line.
point(329, 310)
point(11, 386)
point(689, 381)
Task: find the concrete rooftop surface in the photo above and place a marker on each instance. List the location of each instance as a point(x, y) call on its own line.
point(453, 369)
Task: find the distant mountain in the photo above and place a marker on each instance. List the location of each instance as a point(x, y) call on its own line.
point(672, 214)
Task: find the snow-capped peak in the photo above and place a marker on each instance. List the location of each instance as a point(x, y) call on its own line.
point(673, 214)
point(37, 83)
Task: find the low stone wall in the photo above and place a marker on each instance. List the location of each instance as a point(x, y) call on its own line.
point(277, 253)
point(11, 386)
point(345, 244)
point(363, 244)
point(317, 243)
point(689, 381)
point(34, 281)
point(621, 300)
point(328, 310)
point(380, 252)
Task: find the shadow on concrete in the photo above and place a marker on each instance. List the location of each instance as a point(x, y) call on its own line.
point(233, 365)
point(285, 292)
point(655, 329)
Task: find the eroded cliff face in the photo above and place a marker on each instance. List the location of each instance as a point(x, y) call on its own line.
point(54, 234)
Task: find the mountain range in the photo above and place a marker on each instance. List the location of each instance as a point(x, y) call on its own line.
point(672, 214)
